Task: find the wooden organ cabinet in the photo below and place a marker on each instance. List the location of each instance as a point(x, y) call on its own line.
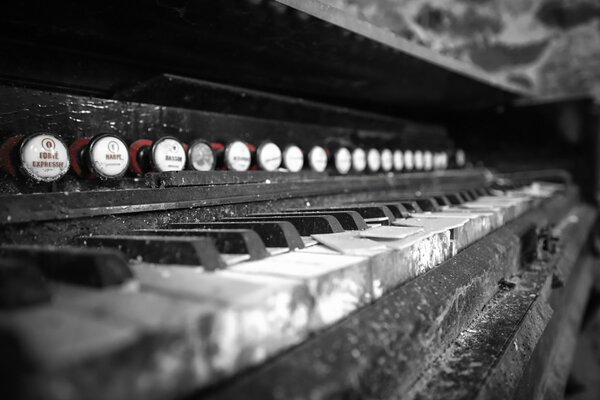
point(274, 200)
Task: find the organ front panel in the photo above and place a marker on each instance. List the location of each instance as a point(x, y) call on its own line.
point(296, 229)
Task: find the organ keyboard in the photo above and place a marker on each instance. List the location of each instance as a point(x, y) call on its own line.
point(170, 248)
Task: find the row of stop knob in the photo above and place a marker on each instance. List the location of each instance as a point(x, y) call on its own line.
point(45, 157)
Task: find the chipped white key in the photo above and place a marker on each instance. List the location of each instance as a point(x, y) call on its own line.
point(390, 232)
point(339, 284)
point(512, 207)
point(258, 314)
point(454, 225)
point(379, 256)
point(179, 329)
point(412, 256)
point(478, 225)
point(350, 243)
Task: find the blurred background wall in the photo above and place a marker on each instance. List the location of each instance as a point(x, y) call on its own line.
point(549, 46)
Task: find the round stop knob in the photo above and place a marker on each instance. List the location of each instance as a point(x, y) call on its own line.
point(105, 156)
point(293, 158)
point(237, 156)
point(460, 158)
point(42, 157)
point(418, 160)
point(398, 160)
point(427, 160)
point(268, 156)
point(317, 159)
point(359, 159)
point(408, 160)
point(164, 155)
point(342, 160)
point(168, 154)
point(387, 160)
point(373, 160)
point(201, 156)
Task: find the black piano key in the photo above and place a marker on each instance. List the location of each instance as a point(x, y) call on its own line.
point(350, 220)
point(455, 198)
point(371, 213)
point(306, 225)
point(428, 204)
point(442, 200)
point(228, 241)
point(273, 234)
point(97, 268)
point(481, 192)
point(466, 195)
point(398, 210)
point(412, 206)
point(473, 193)
point(21, 284)
point(163, 250)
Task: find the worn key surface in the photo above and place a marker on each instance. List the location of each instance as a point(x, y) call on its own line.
point(179, 329)
point(338, 283)
point(258, 314)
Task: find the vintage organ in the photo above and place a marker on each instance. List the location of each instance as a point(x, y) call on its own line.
point(272, 199)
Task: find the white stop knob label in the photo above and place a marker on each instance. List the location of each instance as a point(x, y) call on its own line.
point(268, 156)
point(374, 160)
point(293, 158)
point(238, 156)
point(168, 155)
point(201, 156)
point(461, 158)
point(418, 160)
point(428, 160)
point(317, 159)
point(44, 158)
point(359, 160)
point(342, 160)
point(109, 156)
point(398, 160)
point(387, 160)
point(408, 160)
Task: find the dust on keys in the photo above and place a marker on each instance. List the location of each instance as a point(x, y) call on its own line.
point(158, 313)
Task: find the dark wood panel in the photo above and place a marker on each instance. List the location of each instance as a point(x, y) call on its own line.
point(303, 48)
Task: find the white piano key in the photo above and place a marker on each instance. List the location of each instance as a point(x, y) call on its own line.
point(258, 315)
point(319, 249)
point(454, 225)
point(478, 225)
point(411, 257)
point(390, 232)
point(339, 284)
point(349, 243)
point(179, 329)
